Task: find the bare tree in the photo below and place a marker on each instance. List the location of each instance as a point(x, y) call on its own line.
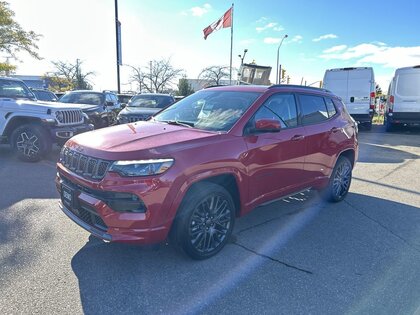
point(213, 75)
point(159, 75)
point(136, 77)
point(72, 73)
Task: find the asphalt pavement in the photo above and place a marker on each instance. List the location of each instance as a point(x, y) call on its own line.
point(295, 256)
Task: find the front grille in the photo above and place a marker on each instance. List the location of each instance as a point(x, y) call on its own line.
point(89, 216)
point(69, 117)
point(137, 118)
point(87, 167)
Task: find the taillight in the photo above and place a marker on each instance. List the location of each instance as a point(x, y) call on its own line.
point(391, 103)
point(372, 100)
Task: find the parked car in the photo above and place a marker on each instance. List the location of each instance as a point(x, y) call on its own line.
point(356, 87)
point(403, 102)
point(31, 126)
point(44, 95)
point(101, 107)
point(213, 156)
point(124, 99)
point(143, 106)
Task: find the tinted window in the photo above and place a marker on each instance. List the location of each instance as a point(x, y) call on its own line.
point(45, 95)
point(83, 98)
point(279, 107)
point(14, 89)
point(330, 107)
point(313, 109)
point(151, 101)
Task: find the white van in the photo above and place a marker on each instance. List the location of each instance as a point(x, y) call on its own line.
point(403, 103)
point(356, 87)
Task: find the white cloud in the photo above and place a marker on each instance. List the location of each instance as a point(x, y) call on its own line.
point(326, 36)
point(267, 26)
point(200, 11)
point(261, 20)
point(335, 49)
point(278, 28)
point(377, 53)
point(272, 40)
point(297, 39)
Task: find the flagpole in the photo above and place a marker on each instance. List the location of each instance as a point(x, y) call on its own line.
point(231, 49)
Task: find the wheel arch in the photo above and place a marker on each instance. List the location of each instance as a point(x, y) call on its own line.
point(17, 121)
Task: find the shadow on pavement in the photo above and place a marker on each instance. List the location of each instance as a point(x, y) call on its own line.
point(372, 153)
point(115, 278)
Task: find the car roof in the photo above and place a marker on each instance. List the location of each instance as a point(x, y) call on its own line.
point(153, 94)
point(11, 79)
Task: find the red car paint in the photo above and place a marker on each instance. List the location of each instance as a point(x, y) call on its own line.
point(265, 166)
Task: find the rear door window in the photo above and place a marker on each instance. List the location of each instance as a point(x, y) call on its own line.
point(313, 108)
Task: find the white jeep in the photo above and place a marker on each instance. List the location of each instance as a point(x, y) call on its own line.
point(31, 126)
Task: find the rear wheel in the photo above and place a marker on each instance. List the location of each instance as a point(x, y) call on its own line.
point(339, 182)
point(30, 142)
point(205, 221)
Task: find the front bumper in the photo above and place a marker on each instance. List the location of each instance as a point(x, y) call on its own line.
point(90, 211)
point(62, 134)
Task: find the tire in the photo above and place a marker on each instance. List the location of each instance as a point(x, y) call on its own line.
point(204, 222)
point(339, 182)
point(30, 142)
point(389, 127)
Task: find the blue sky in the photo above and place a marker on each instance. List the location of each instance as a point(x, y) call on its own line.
point(321, 35)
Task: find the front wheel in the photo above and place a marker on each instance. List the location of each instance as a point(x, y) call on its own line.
point(339, 182)
point(30, 142)
point(205, 221)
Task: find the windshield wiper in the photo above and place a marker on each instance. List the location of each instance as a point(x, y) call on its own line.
point(178, 123)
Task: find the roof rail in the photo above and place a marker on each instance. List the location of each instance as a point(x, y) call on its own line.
point(298, 86)
point(214, 85)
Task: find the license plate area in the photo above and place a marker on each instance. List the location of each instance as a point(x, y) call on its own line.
point(67, 196)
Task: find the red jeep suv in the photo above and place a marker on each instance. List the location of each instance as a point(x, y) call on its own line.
point(195, 166)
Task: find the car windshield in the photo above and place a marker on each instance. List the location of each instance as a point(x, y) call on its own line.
point(209, 110)
point(83, 98)
point(45, 95)
point(15, 89)
point(150, 101)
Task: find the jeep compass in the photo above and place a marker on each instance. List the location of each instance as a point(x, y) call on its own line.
point(191, 170)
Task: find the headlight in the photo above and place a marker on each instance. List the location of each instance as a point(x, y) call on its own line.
point(59, 116)
point(141, 167)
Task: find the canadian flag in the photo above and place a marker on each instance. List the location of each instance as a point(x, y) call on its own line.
point(224, 22)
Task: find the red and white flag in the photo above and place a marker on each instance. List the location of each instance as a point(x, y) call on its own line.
point(224, 22)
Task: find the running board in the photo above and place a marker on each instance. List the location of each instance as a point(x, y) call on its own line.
point(284, 197)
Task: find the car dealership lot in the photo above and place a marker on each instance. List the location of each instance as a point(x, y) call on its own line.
point(295, 256)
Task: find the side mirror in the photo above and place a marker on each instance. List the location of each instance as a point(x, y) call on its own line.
point(267, 125)
point(352, 99)
point(109, 104)
point(123, 105)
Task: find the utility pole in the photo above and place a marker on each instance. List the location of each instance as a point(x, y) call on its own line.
point(118, 45)
point(151, 82)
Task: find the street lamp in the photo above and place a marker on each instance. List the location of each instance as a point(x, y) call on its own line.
point(242, 63)
point(277, 67)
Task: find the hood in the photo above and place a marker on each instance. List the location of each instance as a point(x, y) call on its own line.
point(139, 111)
point(139, 140)
point(83, 107)
point(37, 106)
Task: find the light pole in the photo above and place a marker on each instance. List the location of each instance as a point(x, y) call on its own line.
point(277, 66)
point(242, 63)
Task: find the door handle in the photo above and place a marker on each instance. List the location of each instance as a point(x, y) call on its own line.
point(297, 137)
